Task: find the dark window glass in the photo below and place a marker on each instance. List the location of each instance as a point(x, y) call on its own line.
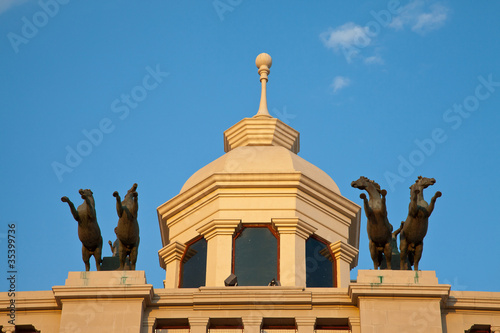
point(194, 265)
point(319, 269)
point(256, 257)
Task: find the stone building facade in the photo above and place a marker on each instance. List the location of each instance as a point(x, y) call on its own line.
point(265, 218)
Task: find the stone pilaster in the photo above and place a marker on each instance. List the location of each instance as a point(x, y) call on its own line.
point(293, 234)
point(305, 324)
point(344, 254)
point(219, 236)
point(171, 256)
point(198, 324)
point(252, 324)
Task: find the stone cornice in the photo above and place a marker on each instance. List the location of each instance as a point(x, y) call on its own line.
point(261, 132)
point(365, 290)
point(473, 300)
point(293, 226)
point(171, 252)
point(238, 183)
point(108, 293)
point(218, 227)
point(31, 300)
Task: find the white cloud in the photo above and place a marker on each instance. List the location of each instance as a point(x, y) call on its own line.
point(373, 60)
point(348, 38)
point(340, 82)
point(7, 4)
point(420, 17)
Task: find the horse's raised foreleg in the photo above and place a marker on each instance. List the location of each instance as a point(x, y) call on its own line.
point(384, 193)
point(119, 207)
point(76, 216)
point(418, 254)
point(430, 208)
point(368, 210)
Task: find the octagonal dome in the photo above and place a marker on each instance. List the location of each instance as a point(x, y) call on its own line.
point(261, 159)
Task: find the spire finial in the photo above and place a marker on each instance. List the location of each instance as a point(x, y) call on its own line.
point(263, 63)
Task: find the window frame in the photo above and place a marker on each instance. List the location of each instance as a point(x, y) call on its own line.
point(256, 225)
point(181, 269)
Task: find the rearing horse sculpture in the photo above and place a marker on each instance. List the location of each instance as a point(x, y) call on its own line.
point(127, 230)
point(411, 238)
point(88, 229)
point(378, 226)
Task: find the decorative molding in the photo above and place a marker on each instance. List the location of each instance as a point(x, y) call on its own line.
point(293, 225)
point(343, 251)
point(218, 227)
point(171, 252)
point(305, 321)
point(261, 132)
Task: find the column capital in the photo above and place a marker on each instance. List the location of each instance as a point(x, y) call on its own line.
point(171, 252)
point(198, 321)
point(252, 321)
point(343, 251)
point(218, 227)
point(293, 225)
point(305, 321)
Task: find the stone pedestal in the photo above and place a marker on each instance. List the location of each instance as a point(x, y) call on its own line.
point(399, 301)
point(114, 300)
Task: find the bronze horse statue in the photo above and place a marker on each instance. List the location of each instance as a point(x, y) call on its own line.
point(127, 230)
point(88, 229)
point(411, 238)
point(378, 226)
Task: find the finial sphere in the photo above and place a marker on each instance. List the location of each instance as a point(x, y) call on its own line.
point(263, 59)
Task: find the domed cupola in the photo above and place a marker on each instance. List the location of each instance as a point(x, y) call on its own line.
point(259, 212)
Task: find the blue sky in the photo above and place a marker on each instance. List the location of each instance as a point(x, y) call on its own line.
point(385, 89)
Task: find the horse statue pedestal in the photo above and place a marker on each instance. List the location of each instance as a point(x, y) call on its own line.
point(405, 301)
point(116, 298)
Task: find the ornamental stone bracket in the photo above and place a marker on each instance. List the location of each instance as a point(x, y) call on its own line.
point(344, 255)
point(170, 260)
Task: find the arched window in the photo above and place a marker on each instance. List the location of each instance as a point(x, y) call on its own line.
point(319, 267)
point(194, 264)
point(255, 255)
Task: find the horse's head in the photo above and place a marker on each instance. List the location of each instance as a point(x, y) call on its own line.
point(87, 194)
point(363, 182)
point(422, 182)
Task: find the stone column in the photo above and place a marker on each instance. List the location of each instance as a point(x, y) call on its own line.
point(495, 329)
point(305, 324)
point(219, 236)
point(355, 325)
point(293, 234)
point(198, 324)
point(252, 324)
point(171, 256)
point(344, 254)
